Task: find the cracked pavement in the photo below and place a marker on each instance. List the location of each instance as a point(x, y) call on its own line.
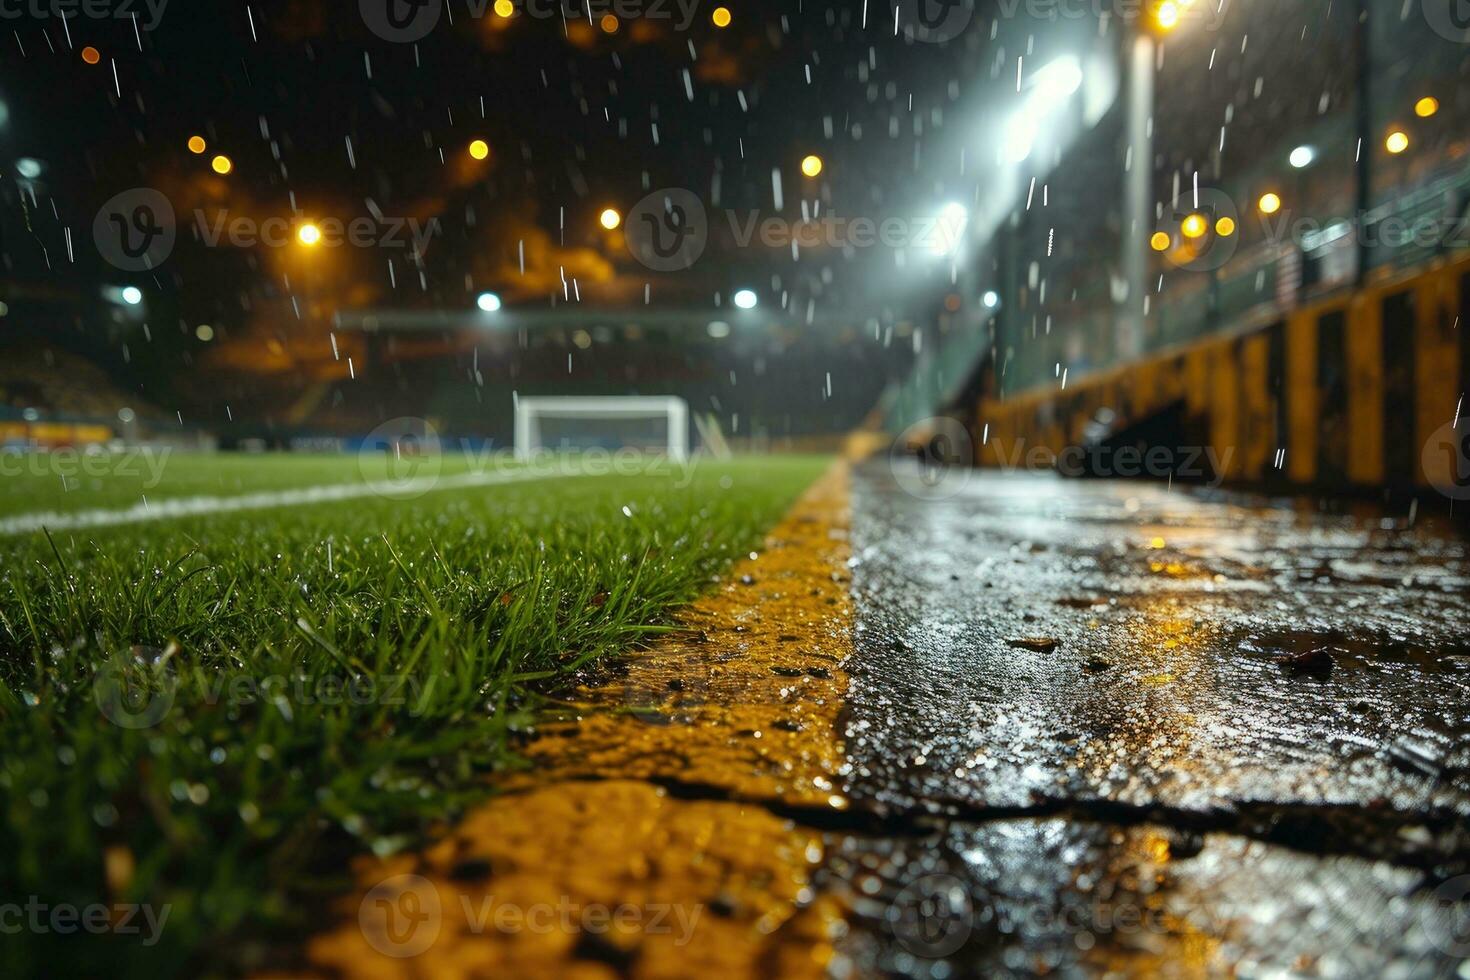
point(1143, 730)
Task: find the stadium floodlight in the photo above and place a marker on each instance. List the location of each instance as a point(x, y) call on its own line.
point(488, 302)
point(1302, 157)
point(610, 408)
point(1058, 81)
point(132, 295)
point(746, 299)
point(991, 299)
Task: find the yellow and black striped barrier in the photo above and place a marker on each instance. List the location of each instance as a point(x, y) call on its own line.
point(1353, 392)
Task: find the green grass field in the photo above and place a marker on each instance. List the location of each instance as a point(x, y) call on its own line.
point(209, 713)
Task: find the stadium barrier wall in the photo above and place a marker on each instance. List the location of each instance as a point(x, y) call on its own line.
point(1340, 394)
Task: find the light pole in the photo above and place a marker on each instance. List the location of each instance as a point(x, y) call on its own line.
point(1137, 192)
point(1364, 48)
point(1162, 17)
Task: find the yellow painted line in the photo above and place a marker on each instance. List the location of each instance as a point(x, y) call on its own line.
point(740, 708)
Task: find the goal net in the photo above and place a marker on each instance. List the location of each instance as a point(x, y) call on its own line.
point(607, 422)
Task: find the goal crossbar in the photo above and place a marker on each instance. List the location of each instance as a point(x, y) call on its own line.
point(529, 412)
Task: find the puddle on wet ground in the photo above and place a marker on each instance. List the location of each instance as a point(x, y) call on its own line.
point(1064, 897)
point(1349, 651)
point(1165, 698)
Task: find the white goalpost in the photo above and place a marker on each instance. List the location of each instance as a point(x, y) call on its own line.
point(530, 411)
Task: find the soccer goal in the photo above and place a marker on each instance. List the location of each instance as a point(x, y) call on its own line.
point(611, 422)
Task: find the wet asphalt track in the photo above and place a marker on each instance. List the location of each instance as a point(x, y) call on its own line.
point(1246, 751)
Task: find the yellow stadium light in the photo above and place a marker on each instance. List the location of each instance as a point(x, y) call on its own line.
point(721, 17)
point(811, 165)
point(1397, 142)
point(197, 144)
point(1426, 107)
point(479, 149)
point(609, 24)
point(222, 164)
point(610, 218)
point(1160, 241)
point(309, 235)
point(504, 8)
point(1195, 226)
point(1269, 203)
point(1225, 227)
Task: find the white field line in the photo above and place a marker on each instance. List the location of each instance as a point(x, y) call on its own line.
point(171, 508)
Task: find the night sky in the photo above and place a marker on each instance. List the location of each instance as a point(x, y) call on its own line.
point(322, 119)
